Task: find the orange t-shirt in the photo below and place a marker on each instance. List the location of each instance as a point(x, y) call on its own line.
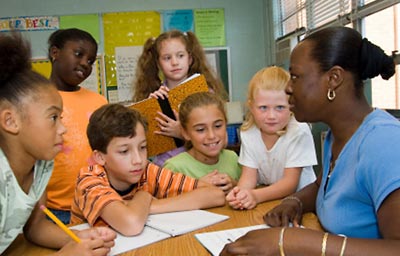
point(78, 106)
point(94, 192)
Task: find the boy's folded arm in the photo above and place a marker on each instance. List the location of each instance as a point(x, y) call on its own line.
point(128, 218)
point(203, 197)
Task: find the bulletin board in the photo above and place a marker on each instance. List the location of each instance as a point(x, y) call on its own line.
point(94, 82)
point(126, 29)
point(121, 37)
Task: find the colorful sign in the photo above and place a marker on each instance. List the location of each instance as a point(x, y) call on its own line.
point(29, 23)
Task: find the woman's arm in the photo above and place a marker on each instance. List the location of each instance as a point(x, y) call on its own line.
point(292, 208)
point(298, 241)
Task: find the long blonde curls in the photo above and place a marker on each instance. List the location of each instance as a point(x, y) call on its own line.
point(147, 71)
point(269, 78)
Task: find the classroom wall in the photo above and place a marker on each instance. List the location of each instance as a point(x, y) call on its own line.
point(246, 34)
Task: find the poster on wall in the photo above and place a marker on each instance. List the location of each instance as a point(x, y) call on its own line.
point(178, 19)
point(29, 23)
point(126, 29)
point(126, 59)
point(209, 26)
point(87, 22)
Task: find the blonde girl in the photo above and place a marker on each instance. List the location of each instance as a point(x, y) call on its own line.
point(277, 152)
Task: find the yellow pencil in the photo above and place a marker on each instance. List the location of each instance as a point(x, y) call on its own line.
point(60, 224)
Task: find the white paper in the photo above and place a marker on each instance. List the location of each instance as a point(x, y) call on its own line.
point(215, 241)
point(127, 243)
point(92, 81)
point(126, 59)
point(172, 224)
point(190, 78)
point(178, 223)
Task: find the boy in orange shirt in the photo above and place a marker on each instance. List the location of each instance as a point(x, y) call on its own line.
point(123, 188)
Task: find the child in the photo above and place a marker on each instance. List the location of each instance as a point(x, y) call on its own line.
point(203, 119)
point(176, 56)
point(72, 53)
point(123, 188)
point(276, 150)
point(31, 134)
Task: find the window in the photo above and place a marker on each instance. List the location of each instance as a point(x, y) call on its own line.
point(375, 19)
point(293, 15)
point(382, 28)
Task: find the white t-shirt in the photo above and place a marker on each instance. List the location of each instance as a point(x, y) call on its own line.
point(293, 149)
point(15, 205)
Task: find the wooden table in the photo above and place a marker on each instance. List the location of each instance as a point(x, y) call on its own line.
point(182, 245)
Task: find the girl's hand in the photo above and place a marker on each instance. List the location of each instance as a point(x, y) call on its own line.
point(162, 93)
point(288, 211)
point(256, 242)
point(105, 234)
point(85, 247)
point(209, 177)
point(221, 180)
point(246, 198)
point(232, 200)
point(168, 126)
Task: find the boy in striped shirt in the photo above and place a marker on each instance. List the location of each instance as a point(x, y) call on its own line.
point(121, 188)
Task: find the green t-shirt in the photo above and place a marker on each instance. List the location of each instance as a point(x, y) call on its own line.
point(188, 165)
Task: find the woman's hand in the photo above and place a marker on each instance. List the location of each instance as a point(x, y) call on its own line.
point(289, 211)
point(256, 242)
point(168, 126)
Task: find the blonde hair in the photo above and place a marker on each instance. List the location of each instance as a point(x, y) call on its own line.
point(148, 73)
point(269, 78)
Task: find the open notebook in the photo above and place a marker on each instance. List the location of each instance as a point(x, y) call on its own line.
point(162, 226)
point(215, 241)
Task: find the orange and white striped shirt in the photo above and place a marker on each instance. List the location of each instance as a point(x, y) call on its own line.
point(93, 190)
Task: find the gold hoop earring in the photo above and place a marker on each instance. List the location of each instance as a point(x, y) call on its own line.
point(331, 94)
